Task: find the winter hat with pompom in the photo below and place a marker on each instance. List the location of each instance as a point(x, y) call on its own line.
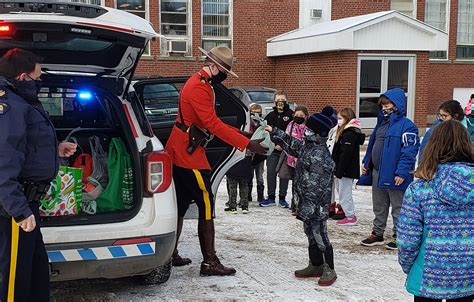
point(321, 122)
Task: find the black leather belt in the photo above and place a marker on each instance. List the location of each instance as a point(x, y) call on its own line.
point(181, 126)
point(34, 191)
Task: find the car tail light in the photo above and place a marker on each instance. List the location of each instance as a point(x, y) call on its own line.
point(133, 241)
point(5, 29)
point(158, 172)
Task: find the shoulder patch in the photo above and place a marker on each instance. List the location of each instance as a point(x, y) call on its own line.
point(4, 107)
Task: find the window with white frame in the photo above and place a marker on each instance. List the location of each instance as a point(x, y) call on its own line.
point(216, 23)
point(465, 41)
point(94, 2)
point(175, 25)
point(136, 7)
point(437, 15)
point(407, 7)
point(377, 74)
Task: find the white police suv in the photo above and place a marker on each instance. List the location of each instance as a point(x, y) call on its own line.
point(90, 54)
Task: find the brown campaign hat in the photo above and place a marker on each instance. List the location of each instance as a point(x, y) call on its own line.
point(222, 56)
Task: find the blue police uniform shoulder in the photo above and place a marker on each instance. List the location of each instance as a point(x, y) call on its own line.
point(23, 127)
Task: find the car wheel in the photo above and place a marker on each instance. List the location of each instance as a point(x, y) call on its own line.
point(159, 275)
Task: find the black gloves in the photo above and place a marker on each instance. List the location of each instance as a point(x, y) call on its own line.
point(246, 134)
point(256, 147)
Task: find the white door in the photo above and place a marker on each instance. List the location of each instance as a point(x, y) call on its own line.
point(377, 74)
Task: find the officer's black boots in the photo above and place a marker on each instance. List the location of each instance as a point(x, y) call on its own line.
point(211, 266)
point(177, 260)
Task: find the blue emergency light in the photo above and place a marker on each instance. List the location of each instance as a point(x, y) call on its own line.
point(84, 95)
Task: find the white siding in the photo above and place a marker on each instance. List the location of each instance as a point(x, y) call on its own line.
point(305, 10)
point(394, 34)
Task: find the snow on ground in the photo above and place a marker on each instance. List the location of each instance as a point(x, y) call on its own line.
point(265, 246)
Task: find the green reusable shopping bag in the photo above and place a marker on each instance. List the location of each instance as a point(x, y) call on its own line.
point(64, 197)
point(118, 195)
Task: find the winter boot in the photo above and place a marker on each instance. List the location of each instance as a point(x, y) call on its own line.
point(339, 214)
point(310, 271)
point(211, 266)
point(177, 260)
point(329, 276)
point(332, 209)
point(260, 195)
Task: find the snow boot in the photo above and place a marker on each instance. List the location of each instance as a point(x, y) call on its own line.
point(332, 209)
point(211, 266)
point(329, 276)
point(339, 213)
point(310, 271)
point(177, 260)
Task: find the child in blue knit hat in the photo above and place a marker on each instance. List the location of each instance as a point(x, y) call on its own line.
point(314, 175)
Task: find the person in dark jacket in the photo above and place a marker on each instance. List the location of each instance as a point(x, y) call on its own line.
point(258, 160)
point(390, 158)
point(346, 155)
point(314, 174)
point(237, 179)
point(28, 162)
point(279, 118)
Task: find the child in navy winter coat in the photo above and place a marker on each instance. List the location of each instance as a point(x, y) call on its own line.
point(314, 175)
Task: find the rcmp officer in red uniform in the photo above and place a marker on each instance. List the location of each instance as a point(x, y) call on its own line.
point(196, 120)
point(28, 161)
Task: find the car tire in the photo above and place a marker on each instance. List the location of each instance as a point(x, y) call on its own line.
point(159, 275)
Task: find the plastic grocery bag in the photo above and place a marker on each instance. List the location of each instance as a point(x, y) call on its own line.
point(260, 132)
point(64, 197)
point(92, 191)
point(118, 195)
point(99, 160)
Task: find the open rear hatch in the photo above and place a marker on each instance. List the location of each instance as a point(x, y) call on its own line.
point(89, 54)
point(75, 37)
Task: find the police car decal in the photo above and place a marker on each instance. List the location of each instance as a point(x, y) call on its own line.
point(102, 253)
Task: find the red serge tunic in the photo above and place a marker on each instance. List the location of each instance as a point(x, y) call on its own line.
point(197, 106)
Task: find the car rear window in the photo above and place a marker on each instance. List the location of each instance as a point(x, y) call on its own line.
point(161, 102)
point(75, 44)
point(261, 96)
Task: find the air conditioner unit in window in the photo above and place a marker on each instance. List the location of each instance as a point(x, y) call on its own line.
point(178, 46)
point(316, 13)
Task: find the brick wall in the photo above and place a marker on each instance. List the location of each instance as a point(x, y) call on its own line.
point(254, 21)
point(349, 8)
point(317, 80)
point(447, 75)
point(314, 79)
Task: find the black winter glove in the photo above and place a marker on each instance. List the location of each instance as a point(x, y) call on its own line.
point(255, 146)
point(246, 134)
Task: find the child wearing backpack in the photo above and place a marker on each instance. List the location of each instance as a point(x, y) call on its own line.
point(314, 174)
